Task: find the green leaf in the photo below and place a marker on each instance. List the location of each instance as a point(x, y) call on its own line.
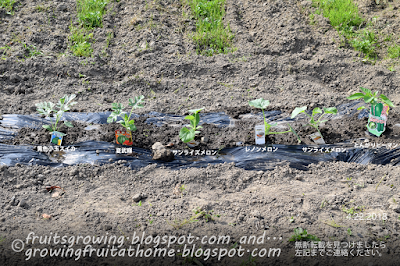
point(199, 127)
point(386, 100)
point(117, 106)
point(47, 127)
point(259, 103)
point(356, 96)
point(68, 124)
point(195, 111)
point(368, 99)
point(126, 118)
point(273, 125)
point(113, 116)
point(196, 119)
point(361, 107)
point(137, 103)
point(330, 110)
point(367, 91)
point(45, 108)
point(186, 135)
point(323, 121)
point(316, 110)
point(298, 110)
point(131, 127)
point(110, 119)
point(376, 93)
point(190, 117)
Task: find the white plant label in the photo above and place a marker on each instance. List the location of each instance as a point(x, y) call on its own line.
point(260, 134)
point(317, 138)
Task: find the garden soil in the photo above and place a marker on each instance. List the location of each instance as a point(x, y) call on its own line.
point(280, 56)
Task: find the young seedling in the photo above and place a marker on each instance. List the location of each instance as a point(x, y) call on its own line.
point(262, 104)
point(349, 231)
point(48, 108)
point(301, 234)
point(126, 122)
point(379, 112)
point(187, 134)
point(313, 122)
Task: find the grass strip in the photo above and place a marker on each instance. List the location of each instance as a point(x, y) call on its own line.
point(211, 36)
point(90, 15)
point(90, 12)
point(80, 41)
point(344, 17)
point(7, 5)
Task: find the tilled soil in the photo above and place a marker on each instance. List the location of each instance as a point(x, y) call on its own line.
point(280, 57)
point(115, 200)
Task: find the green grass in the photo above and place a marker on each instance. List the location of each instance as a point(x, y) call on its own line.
point(343, 14)
point(90, 12)
point(90, 15)
point(31, 50)
point(394, 51)
point(365, 42)
point(211, 36)
point(7, 5)
point(80, 42)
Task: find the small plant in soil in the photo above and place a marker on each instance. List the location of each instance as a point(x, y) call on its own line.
point(126, 122)
point(7, 5)
point(349, 231)
point(188, 134)
point(301, 234)
point(251, 261)
point(379, 109)
point(313, 121)
point(262, 104)
point(208, 215)
point(57, 110)
point(90, 12)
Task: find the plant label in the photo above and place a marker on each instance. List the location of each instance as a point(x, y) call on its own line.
point(260, 134)
point(317, 138)
point(377, 119)
point(123, 136)
point(192, 143)
point(56, 138)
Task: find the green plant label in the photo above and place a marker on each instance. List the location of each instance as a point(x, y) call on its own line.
point(317, 138)
point(377, 119)
point(260, 134)
point(56, 138)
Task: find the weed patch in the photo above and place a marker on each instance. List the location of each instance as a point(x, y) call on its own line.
point(211, 36)
point(90, 15)
point(301, 234)
point(90, 12)
point(394, 51)
point(31, 50)
point(343, 14)
point(7, 5)
point(80, 42)
point(365, 42)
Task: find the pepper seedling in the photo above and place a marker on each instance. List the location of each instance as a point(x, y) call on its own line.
point(378, 112)
point(126, 122)
point(262, 104)
point(313, 122)
point(57, 110)
point(187, 134)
